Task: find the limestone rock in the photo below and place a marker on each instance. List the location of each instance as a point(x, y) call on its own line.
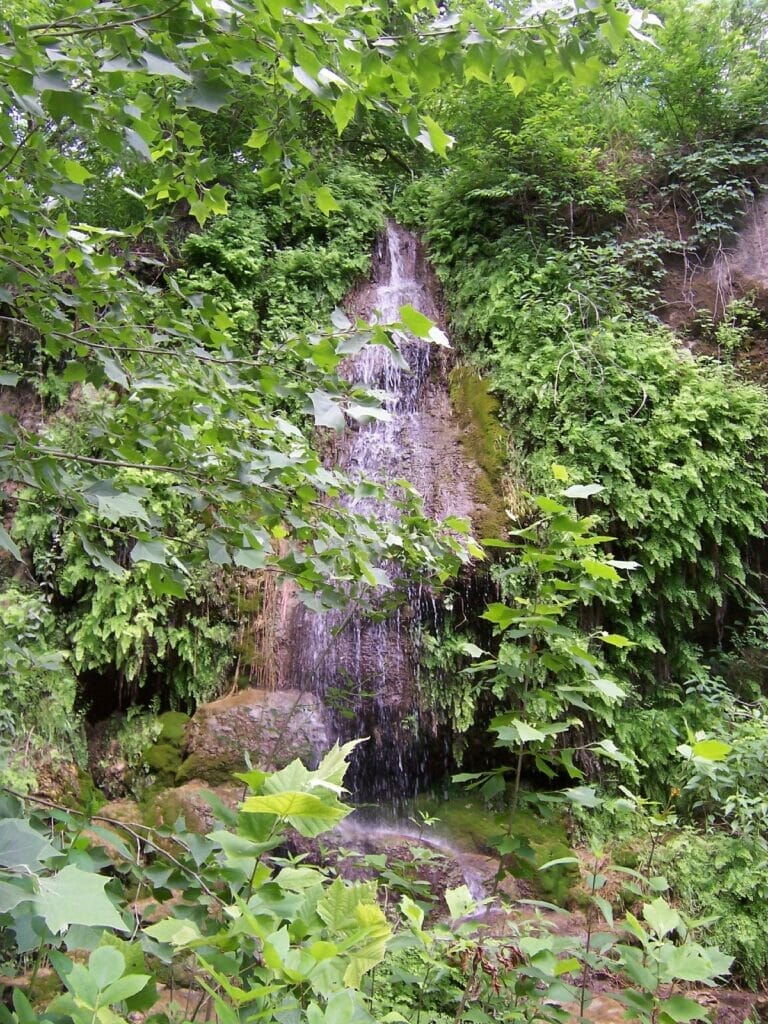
point(271, 727)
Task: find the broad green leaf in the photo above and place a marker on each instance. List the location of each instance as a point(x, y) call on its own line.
point(175, 931)
point(662, 918)
point(73, 896)
point(106, 965)
point(681, 1009)
point(460, 902)
point(157, 64)
point(8, 544)
point(711, 750)
point(344, 110)
point(608, 688)
point(76, 172)
point(125, 988)
point(149, 551)
point(584, 796)
point(370, 947)
point(412, 911)
point(21, 846)
point(600, 571)
point(327, 412)
point(418, 324)
point(615, 640)
point(692, 962)
point(308, 814)
point(434, 138)
point(13, 893)
point(325, 200)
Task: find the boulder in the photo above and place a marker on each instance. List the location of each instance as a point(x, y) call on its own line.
point(269, 727)
point(189, 802)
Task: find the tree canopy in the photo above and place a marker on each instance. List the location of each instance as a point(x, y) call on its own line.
point(95, 93)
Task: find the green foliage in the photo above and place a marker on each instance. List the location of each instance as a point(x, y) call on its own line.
point(256, 82)
point(673, 440)
point(724, 877)
point(128, 627)
point(548, 670)
point(37, 688)
point(275, 266)
point(716, 181)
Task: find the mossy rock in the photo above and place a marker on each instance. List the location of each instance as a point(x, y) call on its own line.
point(484, 440)
point(174, 725)
point(269, 728)
point(213, 768)
point(189, 802)
point(547, 839)
point(163, 758)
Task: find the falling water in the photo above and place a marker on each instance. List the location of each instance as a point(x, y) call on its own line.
point(366, 670)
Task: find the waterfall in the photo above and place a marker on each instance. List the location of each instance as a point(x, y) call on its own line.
point(366, 668)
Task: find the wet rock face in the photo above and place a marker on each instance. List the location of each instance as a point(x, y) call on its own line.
point(271, 727)
point(366, 669)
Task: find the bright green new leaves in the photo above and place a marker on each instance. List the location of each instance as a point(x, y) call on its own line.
point(310, 815)
point(352, 915)
point(545, 667)
point(306, 800)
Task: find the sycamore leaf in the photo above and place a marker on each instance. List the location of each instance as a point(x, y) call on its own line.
point(600, 570)
point(308, 814)
point(174, 931)
point(325, 200)
point(327, 412)
point(433, 138)
point(615, 640)
point(149, 551)
point(8, 544)
point(682, 1010)
point(584, 796)
point(418, 324)
point(662, 918)
point(371, 946)
point(72, 896)
point(21, 846)
point(608, 688)
point(711, 750)
point(159, 65)
point(344, 110)
point(460, 902)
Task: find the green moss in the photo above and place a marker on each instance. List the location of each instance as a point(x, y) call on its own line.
point(164, 760)
point(214, 769)
point(547, 839)
point(174, 725)
point(485, 442)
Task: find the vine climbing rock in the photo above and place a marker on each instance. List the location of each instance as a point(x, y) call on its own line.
point(269, 727)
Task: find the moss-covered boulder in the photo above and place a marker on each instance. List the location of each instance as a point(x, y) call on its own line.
point(192, 802)
point(269, 727)
point(174, 727)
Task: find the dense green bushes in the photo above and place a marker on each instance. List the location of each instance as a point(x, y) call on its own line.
point(678, 443)
point(723, 877)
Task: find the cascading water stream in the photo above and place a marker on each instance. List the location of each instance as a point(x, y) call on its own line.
point(365, 669)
